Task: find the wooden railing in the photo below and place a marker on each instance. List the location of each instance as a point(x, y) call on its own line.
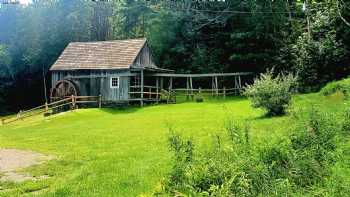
point(53, 107)
point(209, 92)
point(151, 93)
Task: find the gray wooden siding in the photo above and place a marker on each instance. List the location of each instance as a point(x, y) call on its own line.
point(144, 58)
point(99, 83)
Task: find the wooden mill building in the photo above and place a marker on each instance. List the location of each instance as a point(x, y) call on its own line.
point(107, 68)
point(121, 71)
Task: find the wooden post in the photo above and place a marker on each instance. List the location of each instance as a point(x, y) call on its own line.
point(19, 114)
point(161, 83)
point(191, 86)
point(142, 86)
point(199, 90)
point(216, 86)
point(236, 85)
point(157, 87)
point(73, 102)
point(224, 92)
point(99, 101)
point(46, 107)
point(2, 121)
point(187, 88)
point(239, 82)
point(170, 89)
point(171, 84)
point(212, 86)
point(149, 92)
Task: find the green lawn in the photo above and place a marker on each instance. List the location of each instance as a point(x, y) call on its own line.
point(110, 152)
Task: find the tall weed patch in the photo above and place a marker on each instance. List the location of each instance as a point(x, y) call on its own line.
point(237, 167)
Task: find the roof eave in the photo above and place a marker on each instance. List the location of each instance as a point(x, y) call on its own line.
point(99, 68)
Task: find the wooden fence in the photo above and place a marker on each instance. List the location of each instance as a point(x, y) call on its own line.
point(156, 94)
point(151, 93)
point(53, 107)
point(209, 92)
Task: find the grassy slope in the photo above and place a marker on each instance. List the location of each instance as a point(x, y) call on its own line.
point(124, 152)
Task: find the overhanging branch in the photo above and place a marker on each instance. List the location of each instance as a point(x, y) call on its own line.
point(340, 15)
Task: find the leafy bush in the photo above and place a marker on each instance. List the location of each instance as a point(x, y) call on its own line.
point(271, 93)
point(236, 167)
point(342, 86)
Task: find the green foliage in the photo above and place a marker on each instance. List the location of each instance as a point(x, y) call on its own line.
point(318, 55)
point(312, 147)
point(235, 167)
point(271, 93)
point(5, 62)
point(185, 36)
point(346, 122)
point(183, 154)
point(32, 37)
point(342, 86)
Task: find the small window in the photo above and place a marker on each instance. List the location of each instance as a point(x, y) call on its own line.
point(114, 82)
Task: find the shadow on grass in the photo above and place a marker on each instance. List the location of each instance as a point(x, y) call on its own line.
point(266, 116)
point(210, 99)
point(121, 110)
point(135, 108)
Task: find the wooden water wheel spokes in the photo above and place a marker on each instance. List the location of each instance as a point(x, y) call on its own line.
point(63, 89)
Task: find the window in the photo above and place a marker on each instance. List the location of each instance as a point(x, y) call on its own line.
point(114, 82)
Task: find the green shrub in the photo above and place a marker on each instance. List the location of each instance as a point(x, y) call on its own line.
point(342, 86)
point(271, 93)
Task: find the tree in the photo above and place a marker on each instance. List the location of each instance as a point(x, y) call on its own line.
point(318, 58)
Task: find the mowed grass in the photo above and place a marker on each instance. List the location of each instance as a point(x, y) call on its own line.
point(124, 152)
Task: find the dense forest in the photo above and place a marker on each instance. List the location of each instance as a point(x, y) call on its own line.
point(310, 38)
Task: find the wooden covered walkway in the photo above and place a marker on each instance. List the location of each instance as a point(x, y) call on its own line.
point(165, 82)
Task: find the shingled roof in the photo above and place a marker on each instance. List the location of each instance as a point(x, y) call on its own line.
point(116, 54)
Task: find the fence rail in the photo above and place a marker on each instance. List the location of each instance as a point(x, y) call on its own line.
point(70, 102)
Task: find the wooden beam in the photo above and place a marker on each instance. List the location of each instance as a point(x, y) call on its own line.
point(212, 86)
point(187, 88)
point(138, 68)
point(100, 76)
point(157, 87)
point(150, 93)
point(191, 86)
point(99, 101)
point(161, 83)
point(216, 86)
point(224, 92)
point(239, 82)
point(236, 85)
point(170, 89)
point(142, 84)
point(171, 83)
point(199, 75)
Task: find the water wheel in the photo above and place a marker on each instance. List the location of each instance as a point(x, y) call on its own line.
point(63, 89)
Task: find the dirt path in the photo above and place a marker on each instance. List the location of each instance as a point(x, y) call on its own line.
point(12, 160)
